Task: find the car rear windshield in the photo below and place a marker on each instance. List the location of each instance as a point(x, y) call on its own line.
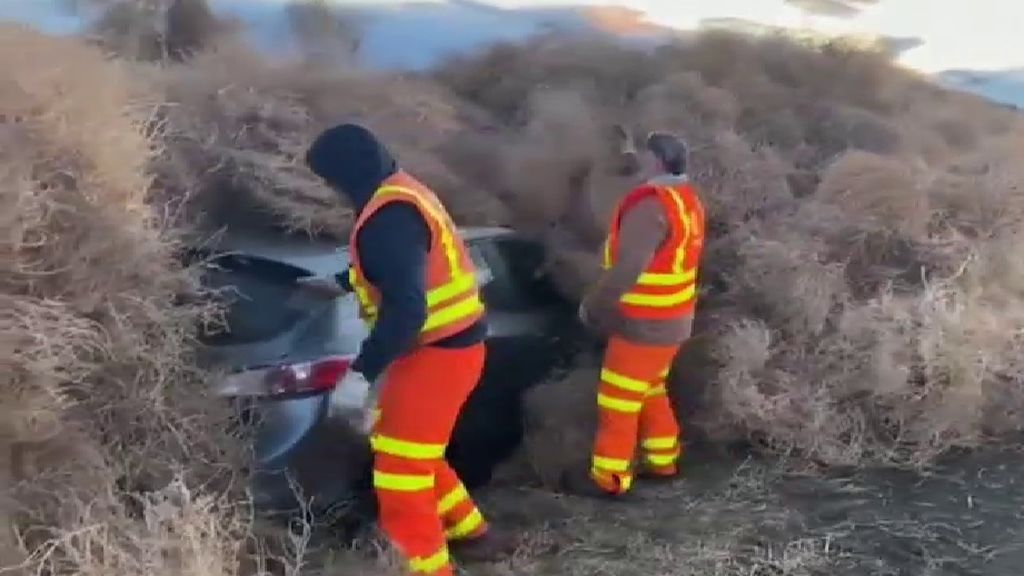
point(262, 301)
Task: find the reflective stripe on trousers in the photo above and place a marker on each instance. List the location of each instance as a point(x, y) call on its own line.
point(461, 518)
point(633, 404)
point(422, 502)
point(659, 430)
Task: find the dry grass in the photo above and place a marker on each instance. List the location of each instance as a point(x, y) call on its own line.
point(721, 520)
point(862, 288)
point(153, 30)
point(851, 308)
point(112, 464)
point(238, 126)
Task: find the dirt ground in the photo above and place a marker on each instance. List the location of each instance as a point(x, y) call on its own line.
point(735, 515)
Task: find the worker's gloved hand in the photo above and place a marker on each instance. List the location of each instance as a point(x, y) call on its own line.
point(351, 396)
point(583, 313)
point(594, 316)
point(587, 314)
point(368, 419)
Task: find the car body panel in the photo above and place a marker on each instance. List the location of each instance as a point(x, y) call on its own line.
point(529, 335)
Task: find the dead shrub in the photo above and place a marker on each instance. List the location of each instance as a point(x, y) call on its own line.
point(861, 293)
point(323, 35)
point(552, 445)
point(840, 218)
point(846, 239)
point(117, 464)
point(238, 125)
point(884, 191)
point(154, 30)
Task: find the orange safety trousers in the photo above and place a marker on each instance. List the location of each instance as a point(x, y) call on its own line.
point(633, 404)
point(422, 502)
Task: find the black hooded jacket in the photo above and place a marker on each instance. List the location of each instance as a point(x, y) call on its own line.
point(392, 245)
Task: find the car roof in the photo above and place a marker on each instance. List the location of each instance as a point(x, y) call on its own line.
point(317, 256)
point(475, 233)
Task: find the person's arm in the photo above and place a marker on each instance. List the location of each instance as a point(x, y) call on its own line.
point(641, 232)
point(393, 247)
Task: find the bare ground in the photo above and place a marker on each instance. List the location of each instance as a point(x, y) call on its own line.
point(731, 516)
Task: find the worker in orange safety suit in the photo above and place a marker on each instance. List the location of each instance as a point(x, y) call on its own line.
point(417, 289)
point(645, 303)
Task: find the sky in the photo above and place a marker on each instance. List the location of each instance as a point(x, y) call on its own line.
point(957, 34)
point(980, 36)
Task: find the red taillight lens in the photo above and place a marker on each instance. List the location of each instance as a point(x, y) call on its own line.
point(307, 377)
point(288, 379)
point(326, 374)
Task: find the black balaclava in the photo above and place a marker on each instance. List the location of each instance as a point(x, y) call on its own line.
point(352, 161)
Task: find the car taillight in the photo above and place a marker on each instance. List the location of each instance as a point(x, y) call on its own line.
point(298, 379)
point(318, 376)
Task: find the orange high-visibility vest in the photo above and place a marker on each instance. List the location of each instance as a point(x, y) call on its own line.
point(668, 287)
point(453, 296)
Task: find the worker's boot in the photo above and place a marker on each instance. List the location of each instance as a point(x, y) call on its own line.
point(661, 474)
point(492, 546)
point(578, 482)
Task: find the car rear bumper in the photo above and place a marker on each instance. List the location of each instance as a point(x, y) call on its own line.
point(302, 455)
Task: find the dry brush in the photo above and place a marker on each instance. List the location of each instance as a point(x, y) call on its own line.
point(863, 297)
point(114, 464)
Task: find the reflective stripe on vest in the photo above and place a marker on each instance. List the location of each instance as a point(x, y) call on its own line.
point(662, 289)
point(455, 300)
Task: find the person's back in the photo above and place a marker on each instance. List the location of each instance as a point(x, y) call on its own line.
point(417, 289)
point(643, 243)
point(645, 304)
